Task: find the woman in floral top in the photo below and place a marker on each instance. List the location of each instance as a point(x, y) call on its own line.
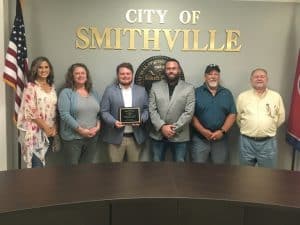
point(37, 114)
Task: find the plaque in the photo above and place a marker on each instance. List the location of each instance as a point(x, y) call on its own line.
point(130, 115)
point(151, 70)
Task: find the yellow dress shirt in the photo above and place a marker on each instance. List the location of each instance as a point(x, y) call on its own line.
point(259, 115)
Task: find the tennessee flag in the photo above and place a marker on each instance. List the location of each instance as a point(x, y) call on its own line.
point(293, 132)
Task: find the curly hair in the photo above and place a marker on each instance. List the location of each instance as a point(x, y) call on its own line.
point(33, 72)
point(70, 83)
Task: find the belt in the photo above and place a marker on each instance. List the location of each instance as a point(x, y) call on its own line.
point(258, 138)
point(127, 134)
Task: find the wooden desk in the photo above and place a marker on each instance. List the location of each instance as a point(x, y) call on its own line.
point(150, 193)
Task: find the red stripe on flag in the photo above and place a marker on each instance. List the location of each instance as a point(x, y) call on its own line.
point(8, 78)
point(11, 65)
point(18, 100)
point(20, 83)
point(12, 52)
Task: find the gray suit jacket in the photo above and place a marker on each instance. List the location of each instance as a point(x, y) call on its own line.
point(111, 102)
point(178, 110)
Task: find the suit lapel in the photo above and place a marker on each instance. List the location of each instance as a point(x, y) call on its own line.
point(119, 94)
point(133, 95)
point(165, 92)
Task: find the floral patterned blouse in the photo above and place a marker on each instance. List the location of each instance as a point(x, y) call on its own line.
point(36, 103)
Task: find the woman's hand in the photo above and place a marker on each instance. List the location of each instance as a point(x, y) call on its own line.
point(84, 132)
point(50, 131)
point(95, 129)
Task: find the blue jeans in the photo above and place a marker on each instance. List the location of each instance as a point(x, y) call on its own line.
point(264, 153)
point(201, 149)
point(160, 147)
point(36, 162)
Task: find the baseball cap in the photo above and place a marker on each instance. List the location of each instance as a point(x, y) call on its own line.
point(212, 67)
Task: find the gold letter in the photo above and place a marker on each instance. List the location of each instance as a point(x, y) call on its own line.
point(155, 39)
point(232, 36)
point(118, 38)
point(127, 16)
point(99, 39)
point(212, 40)
point(170, 40)
point(132, 37)
point(82, 33)
point(186, 40)
point(196, 42)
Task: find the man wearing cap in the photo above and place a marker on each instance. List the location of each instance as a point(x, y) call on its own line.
point(171, 107)
point(215, 113)
point(260, 113)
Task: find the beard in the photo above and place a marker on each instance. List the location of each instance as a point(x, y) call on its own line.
point(212, 84)
point(125, 82)
point(172, 76)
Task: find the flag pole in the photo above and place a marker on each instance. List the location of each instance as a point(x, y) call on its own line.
point(293, 159)
point(19, 144)
point(19, 155)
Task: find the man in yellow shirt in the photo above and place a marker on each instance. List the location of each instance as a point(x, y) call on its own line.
point(260, 111)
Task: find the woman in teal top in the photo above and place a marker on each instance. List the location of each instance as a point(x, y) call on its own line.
point(79, 107)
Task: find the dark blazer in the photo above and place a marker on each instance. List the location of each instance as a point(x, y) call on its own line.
point(111, 102)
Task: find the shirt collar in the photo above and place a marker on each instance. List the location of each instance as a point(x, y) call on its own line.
point(219, 88)
point(262, 95)
point(123, 88)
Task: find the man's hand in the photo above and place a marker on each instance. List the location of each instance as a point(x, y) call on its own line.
point(207, 134)
point(168, 131)
point(119, 124)
point(218, 134)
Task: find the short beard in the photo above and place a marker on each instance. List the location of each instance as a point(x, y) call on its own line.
point(212, 84)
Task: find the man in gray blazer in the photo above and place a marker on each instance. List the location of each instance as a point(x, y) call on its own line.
point(124, 139)
point(171, 107)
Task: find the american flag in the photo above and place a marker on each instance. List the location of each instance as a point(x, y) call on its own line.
point(16, 61)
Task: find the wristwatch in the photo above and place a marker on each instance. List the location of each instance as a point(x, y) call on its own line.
point(223, 131)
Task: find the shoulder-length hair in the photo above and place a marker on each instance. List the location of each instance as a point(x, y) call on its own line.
point(70, 83)
point(33, 72)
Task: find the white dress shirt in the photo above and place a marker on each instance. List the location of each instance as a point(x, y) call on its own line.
point(127, 98)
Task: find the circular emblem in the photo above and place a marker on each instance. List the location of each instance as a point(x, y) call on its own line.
point(151, 70)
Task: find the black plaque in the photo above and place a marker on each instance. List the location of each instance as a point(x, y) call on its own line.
point(130, 115)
